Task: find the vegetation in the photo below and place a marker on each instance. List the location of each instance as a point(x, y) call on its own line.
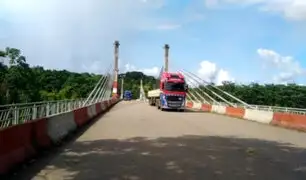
point(21, 83)
point(132, 82)
point(290, 95)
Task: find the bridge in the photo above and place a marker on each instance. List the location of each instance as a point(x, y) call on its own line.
point(102, 137)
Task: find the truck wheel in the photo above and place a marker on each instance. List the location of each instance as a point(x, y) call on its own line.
point(157, 103)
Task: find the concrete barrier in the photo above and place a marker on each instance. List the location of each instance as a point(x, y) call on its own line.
point(287, 120)
point(60, 126)
point(41, 138)
point(235, 112)
point(258, 116)
point(103, 106)
point(91, 110)
point(218, 109)
point(20, 142)
point(206, 107)
point(15, 145)
point(189, 104)
point(81, 116)
point(197, 106)
point(98, 108)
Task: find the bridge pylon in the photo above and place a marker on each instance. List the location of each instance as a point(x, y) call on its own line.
point(166, 47)
point(116, 69)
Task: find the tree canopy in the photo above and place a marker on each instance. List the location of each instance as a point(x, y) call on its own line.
point(21, 83)
point(290, 95)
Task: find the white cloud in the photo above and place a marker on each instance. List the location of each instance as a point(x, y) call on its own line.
point(211, 73)
point(154, 71)
point(211, 3)
point(168, 26)
point(288, 68)
point(67, 34)
point(291, 9)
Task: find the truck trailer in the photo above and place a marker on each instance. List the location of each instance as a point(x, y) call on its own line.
point(171, 93)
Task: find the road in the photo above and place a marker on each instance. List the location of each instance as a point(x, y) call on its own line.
point(135, 141)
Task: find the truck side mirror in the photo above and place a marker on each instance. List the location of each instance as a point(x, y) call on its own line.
point(186, 87)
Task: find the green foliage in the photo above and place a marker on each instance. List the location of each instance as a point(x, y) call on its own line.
point(290, 95)
point(132, 82)
point(21, 83)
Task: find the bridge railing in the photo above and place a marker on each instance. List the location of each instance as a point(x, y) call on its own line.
point(280, 109)
point(267, 108)
point(207, 93)
point(19, 113)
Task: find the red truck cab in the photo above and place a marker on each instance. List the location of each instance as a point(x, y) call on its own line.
point(173, 89)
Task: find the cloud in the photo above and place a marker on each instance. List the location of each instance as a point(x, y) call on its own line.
point(67, 34)
point(168, 26)
point(291, 9)
point(211, 3)
point(154, 71)
point(288, 68)
point(211, 73)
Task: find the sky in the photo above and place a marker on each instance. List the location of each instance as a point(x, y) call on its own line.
point(243, 41)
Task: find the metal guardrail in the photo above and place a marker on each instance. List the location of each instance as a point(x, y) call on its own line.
point(280, 109)
point(270, 108)
point(14, 114)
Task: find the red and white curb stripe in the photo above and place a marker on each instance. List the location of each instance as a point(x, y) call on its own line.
point(19, 143)
point(288, 120)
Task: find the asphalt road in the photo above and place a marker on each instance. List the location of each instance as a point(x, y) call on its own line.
point(136, 141)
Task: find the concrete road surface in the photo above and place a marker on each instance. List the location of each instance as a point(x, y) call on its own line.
point(136, 141)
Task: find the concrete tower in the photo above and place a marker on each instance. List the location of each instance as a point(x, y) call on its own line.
point(116, 69)
point(166, 57)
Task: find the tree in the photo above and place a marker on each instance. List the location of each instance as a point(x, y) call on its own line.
point(21, 83)
point(15, 57)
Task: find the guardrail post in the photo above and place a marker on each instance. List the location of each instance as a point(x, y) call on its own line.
point(16, 115)
point(47, 109)
point(57, 108)
point(69, 106)
point(34, 112)
point(53, 109)
point(62, 107)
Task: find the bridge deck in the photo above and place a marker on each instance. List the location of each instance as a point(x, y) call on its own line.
point(136, 141)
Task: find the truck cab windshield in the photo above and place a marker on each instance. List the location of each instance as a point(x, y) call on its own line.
point(171, 86)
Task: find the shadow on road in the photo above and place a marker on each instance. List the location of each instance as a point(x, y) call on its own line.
point(185, 111)
point(186, 157)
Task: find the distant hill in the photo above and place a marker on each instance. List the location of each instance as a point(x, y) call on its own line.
point(132, 82)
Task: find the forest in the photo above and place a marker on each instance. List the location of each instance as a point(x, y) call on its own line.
point(21, 83)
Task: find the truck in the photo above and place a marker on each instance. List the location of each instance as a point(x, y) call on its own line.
point(171, 92)
point(127, 96)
